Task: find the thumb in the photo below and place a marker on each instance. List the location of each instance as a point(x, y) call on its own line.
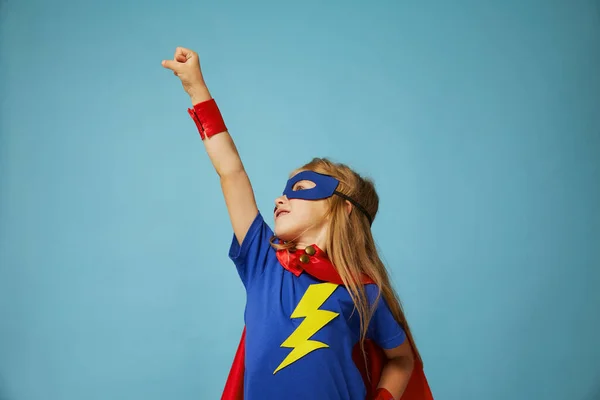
point(171, 64)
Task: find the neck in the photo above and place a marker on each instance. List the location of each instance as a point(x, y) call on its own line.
point(302, 245)
point(318, 240)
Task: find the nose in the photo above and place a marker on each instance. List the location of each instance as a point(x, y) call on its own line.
point(280, 201)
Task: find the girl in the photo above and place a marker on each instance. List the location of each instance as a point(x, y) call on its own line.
point(322, 319)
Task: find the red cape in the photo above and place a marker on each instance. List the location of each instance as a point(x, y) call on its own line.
point(321, 268)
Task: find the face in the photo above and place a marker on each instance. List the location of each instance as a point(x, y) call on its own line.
point(302, 221)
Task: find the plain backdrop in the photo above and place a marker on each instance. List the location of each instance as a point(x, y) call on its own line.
point(479, 122)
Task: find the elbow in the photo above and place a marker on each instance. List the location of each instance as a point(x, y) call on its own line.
point(233, 172)
point(410, 361)
point(405, 363)
point(410, 364)
point(233, 176)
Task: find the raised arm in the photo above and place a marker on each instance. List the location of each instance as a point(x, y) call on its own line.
point(237, 190)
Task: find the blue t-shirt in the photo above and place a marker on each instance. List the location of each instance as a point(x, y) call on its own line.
point(300, 331)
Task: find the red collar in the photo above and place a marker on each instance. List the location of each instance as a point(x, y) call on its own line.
point(315, 262)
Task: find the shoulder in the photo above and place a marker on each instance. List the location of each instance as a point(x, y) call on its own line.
point(373, 293)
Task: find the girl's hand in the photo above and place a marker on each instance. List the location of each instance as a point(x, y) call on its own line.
point(186, 66)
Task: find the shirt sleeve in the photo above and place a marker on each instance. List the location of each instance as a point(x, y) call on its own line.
point(250, 258)
point(384, 330)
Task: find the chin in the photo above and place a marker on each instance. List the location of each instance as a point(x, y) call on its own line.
point(285, 233)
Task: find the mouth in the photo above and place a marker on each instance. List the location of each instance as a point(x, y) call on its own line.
point(280, 212)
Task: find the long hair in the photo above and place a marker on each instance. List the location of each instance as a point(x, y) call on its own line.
point(350, 245)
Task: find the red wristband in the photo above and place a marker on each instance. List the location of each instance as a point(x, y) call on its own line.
point(208, 118)
point(383, 394)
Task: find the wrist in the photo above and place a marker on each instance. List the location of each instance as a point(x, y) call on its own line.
point(207, 117)
point(199, 94)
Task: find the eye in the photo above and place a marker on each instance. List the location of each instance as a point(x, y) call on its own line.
point(303, 185)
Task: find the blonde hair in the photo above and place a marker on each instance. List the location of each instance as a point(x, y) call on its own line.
point(350, 245)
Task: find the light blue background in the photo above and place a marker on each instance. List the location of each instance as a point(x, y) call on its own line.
point(479, 121)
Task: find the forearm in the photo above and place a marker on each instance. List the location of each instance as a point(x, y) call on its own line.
point(237, 190)
point(220, 148)
point(396, 374)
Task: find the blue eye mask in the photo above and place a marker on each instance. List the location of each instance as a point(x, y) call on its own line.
point(325, 186)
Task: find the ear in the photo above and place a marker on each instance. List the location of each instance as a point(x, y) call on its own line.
point(348, 207)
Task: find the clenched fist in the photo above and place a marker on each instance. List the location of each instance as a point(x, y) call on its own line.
point(186, 66)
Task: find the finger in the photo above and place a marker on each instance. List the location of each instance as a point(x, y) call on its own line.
point(182, 54)
point(171, 64)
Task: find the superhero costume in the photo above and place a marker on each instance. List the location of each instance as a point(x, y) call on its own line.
point(275, 292)
point(301, 335)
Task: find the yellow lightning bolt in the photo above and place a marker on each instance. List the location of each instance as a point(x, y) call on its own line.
point(314, 320)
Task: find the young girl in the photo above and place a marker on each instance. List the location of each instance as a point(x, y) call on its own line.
point(322, 319)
